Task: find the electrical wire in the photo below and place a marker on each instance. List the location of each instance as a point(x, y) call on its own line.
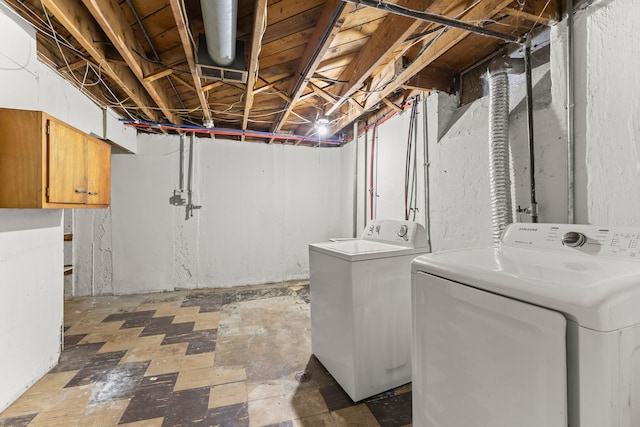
point(538, 18)
point(64, 57)
point(61, 41)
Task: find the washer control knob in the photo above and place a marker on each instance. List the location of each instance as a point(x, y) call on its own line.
point(573, 239)
point(403, 230)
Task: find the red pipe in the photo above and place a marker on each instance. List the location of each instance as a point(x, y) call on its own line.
point(231, 132)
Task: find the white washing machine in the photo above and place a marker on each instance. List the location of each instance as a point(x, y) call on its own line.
point(361, 303)
point(542, 331)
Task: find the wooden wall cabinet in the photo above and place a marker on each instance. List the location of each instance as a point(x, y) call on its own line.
point(45, 163)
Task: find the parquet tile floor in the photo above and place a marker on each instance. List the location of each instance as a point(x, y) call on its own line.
point(222, 357)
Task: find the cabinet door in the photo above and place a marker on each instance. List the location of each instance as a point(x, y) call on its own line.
point(98, 164)
point(67, 181)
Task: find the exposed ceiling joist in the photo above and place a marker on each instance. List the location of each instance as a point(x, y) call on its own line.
point(183, 30)
point(393, 31)
point(259, 28)
point(540, 19)
point(329, 24)
point(157, 76)
point(77, 20)
point(356, 61)
point(323, 94)
point(438, 47)
point(113, 22)
point(269, 86)
point(442, 44)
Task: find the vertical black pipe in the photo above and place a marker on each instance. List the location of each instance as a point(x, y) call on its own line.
point(532, 180)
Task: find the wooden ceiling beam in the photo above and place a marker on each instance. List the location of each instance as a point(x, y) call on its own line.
point(540, 19)
point(393, 31)
point(356, 105)
point(283, 96)
point(183, 30)
point(111, 18)
point(323, 94)
point(79, 22)
point(259, 27)
point(185, 84)
point(269, 86)
point(74, 66)
point(158, 75)
point(431, 78)
point(539, 11)
point(441, 45)
point(392, 105)
point(211, 86)
point(329, 24)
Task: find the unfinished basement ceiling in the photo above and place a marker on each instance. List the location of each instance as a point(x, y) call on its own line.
point(305, 59)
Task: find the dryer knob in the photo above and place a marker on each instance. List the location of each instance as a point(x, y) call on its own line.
point(403, 231)
point(573, 239)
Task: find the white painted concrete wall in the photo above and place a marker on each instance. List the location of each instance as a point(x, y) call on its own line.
point(31, 245)
point(261, 207)
point(31, 288)
point(607, 143)
point(612, 114)
point(458, 141)
point(31, 291)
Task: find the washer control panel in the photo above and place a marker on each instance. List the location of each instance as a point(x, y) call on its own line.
point(573, 239)
point(403, 233)
point(616, 242)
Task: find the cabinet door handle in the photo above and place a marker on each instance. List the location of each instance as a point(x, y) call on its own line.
point(93, 193)
point(80, 191)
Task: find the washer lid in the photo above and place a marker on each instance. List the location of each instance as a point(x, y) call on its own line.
point(597, 292)
point(360, 249)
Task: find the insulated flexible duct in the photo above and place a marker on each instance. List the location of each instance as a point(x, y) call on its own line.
point(220, 23)
point(499, 170)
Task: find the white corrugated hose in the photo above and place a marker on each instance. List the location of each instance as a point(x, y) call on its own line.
point(499, 169)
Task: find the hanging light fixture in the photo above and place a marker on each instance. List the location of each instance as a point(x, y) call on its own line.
point(322, 125)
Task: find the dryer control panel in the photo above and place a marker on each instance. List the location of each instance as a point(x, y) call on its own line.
point(402, 233)
point(615, 242)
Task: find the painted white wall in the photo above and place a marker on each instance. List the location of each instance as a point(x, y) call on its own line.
point(458, 141)
point(459, 198)
point(261, 207)
point(612, 113)
point(31, 294)
point(31, 244)
point(607, 143)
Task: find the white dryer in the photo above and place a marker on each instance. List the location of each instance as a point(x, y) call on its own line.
point(360, 293)
point(543, 330)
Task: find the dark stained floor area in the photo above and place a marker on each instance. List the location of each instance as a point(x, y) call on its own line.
point(233, 357)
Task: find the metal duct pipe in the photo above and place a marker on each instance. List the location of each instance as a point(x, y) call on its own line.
point(220, 21)
point(499, 168)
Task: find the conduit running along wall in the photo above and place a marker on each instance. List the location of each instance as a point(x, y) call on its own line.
point(499, 170)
